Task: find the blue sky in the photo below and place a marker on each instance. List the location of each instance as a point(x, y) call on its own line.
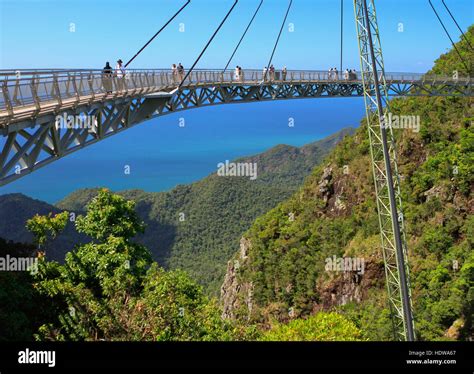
point(37, 33)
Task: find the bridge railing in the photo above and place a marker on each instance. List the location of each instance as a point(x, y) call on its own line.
point(33, 87)
point(40, 87)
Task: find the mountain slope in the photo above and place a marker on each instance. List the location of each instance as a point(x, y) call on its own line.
point(281, 269)
point(194, 227)
point(16, 209)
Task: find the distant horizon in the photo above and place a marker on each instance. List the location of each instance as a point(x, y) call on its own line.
point(174, 164)
point(182, 184)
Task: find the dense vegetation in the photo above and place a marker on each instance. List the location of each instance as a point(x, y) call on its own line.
point(109, 289)
point(193, 227)
point(334, 214)
point(21, 308)
point(319, 327)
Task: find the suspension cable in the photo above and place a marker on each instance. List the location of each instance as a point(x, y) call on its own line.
point(242, 38)
point(278, 39)
point(160, 30)
point(449, 36)
point(342, 31)
point(454, 19)
point(208, 43)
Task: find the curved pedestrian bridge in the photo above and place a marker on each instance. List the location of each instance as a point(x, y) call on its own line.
point(36, 106)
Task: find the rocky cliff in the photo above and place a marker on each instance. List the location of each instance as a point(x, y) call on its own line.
point(284, 273)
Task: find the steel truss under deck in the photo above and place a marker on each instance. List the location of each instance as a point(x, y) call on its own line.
point(31, 139)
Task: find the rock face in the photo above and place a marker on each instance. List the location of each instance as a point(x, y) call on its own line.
point(331, 191)
point(339, 203)
point(235, 295)
point(325, 184)
point(344, 287)
point(438, 192)
point(454, 331)
point(350, 286)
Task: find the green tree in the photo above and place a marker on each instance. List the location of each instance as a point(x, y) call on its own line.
point(319, 327)
point(173, 307)
point(44, 226)
point(108, 290)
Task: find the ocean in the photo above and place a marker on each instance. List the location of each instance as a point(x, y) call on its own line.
point(160, 154)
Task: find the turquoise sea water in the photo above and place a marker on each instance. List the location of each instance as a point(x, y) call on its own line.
point(160, 154)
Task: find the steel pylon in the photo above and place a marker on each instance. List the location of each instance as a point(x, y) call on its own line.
point(385, 170)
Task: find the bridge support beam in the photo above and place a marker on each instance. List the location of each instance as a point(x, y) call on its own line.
point(385, 170)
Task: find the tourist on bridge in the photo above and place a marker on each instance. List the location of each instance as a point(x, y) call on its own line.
point(272, 73)
point(238, 74)
point(330, 74)
point(283, 73)
point(174, 73)
point(265, 73)
point(180, 71)
point(120, 74)
point(336, 74)
point(107, 74)
point(346, 74)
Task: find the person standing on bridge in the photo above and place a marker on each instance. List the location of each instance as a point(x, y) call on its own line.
point(272, 73)
point(346, 74)
point(107, 73)
point(120, 74)
point(180, 71)
point(174, 73)
point(283, 73)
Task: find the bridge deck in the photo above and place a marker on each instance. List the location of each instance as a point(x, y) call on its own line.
point(29, 94)
point(33, 136)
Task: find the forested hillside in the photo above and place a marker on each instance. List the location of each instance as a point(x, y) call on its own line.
point(279, 274)
point(192, 227)
point(196, 227)
point(110, 289)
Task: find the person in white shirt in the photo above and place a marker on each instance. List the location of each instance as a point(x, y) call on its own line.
point(120, 74)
